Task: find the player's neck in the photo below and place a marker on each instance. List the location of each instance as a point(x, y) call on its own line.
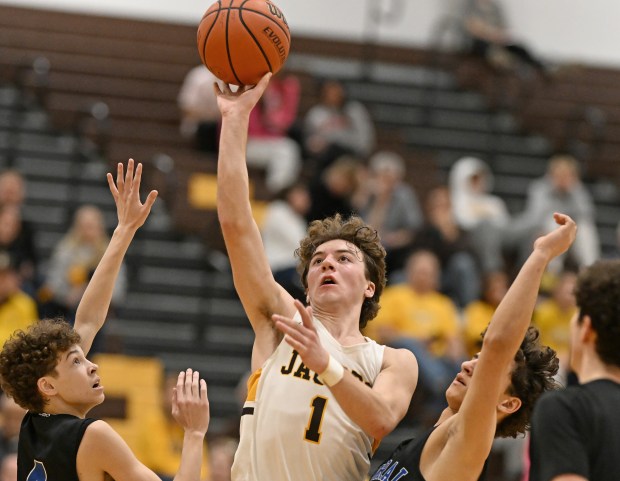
point(593, 368)
point(343, 328)
point(57, 406)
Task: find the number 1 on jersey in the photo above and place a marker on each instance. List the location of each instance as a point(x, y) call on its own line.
point(313, 431)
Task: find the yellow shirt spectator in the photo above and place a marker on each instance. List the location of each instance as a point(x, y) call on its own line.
point(17, 311)
point(476, 318)
point(429, 317)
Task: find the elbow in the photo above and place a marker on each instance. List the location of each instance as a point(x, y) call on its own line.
point(382, 427)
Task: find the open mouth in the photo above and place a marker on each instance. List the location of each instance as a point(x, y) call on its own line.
point(97, 384)
point(328, 281)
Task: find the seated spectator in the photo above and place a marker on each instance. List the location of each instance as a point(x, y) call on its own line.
point(391, 207)
point(283, 227)
point(332, 192)
point(17, 309)
point(484, 21)
point(552, 317)
point(200, 116)
point(72, 264)
point(484, 216)
point(478, 314)
point(560, 190)
point(17, 239)
point(416, 316)
point(269, 145)
point(336, 126)
point(12, 188)
point(452, 245)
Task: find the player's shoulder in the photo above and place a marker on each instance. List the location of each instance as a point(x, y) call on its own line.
point(399, 358)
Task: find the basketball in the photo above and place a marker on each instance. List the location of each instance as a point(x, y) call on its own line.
point(239, 41)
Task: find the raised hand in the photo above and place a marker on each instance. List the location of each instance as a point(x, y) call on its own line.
point(243, 100)
point(126, 192)
point(304, 338)
point(558, 240)
point(190, 404)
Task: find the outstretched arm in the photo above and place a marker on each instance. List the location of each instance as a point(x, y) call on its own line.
point(260, 295)
point(376, 410)
point(93, 308)
point(471, 442)
point(103, 451)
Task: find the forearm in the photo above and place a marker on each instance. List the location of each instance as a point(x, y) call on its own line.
point(364, 406)
point(93, 307)
point(232, 173)
point(512, 317)
point(191, 457)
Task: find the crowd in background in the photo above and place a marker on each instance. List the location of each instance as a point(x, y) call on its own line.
point(451, 254)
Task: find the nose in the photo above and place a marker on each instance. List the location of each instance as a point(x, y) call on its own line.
point(327, 263)
point(468, 366)
point(93, 367)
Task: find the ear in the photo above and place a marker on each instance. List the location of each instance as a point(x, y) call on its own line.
point(587, 334)
point(370, 290)
point(46, 386)
point(509, 405)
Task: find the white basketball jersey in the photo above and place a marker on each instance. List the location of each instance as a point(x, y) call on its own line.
point(292, 427)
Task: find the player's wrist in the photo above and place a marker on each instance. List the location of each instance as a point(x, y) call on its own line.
point(333, 373)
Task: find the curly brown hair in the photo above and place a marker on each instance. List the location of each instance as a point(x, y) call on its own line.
point(597, 294)
point(532, 375)
point(29, 355)
point(354, 230)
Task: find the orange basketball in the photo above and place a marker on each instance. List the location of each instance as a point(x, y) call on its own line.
point(241, 40)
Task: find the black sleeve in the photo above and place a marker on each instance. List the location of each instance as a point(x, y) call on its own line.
point(557, 446)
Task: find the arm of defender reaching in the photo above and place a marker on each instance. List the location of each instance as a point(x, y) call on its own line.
point(102, 450)
point(376, 410)
point(93, 308)
point(471, 439)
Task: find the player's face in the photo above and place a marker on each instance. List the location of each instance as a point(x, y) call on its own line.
point(337, 274)
point(455, 394)
point(575, 351)
point(76, 382)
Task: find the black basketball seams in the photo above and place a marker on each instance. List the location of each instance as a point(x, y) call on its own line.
point(258, 12)
point(204, 46)
point(260, 47)
point(232, 67)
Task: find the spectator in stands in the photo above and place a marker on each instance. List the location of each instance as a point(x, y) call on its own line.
point(269, 145)
point(12, 188)
point(560, 190)
point(484, 216)
point(417, 317)
point(336, 126)
point(333, 191)
point(478, 314)
point(73, 262)
point(282, 229)
point(11, 415)
point(391, 207)
point(200, 116)
point(17, 309)
point(16, 234)
point(552, 317)
point(161, 439)
point(16, 238)
point(452, 245)
point(485, 23)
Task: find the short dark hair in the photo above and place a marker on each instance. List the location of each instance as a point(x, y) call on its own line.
point(29, 355)
point(354, 230)
point(598, 296)
point(532, 375)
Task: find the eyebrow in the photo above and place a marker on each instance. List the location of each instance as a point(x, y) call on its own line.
point(338, 251)
point(72, 351)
